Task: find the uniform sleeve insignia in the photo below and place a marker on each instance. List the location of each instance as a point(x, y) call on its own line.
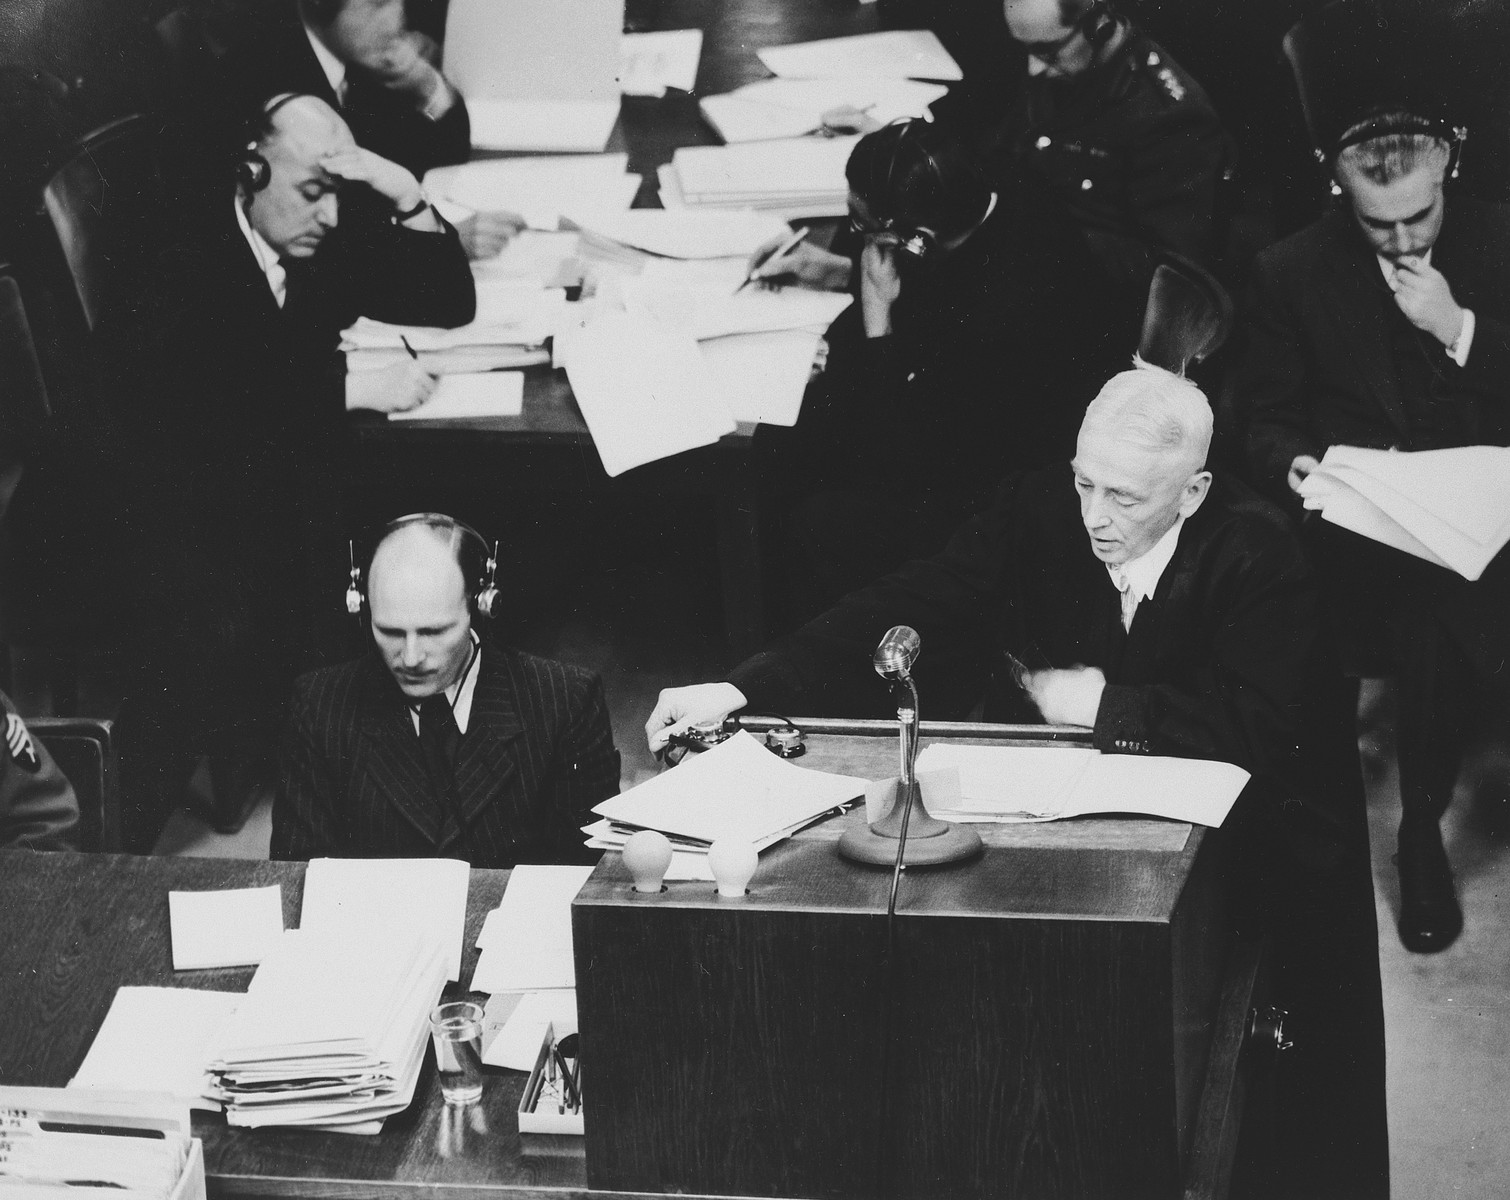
point(1171, 83)
point(18, 742)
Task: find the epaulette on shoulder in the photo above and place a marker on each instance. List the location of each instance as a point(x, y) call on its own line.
point(1169, 83)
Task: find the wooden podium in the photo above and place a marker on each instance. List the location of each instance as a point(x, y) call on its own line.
point(1061, 1017)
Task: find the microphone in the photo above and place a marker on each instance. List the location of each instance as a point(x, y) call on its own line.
point(897, 652)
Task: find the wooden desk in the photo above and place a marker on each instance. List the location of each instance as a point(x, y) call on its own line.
point(548, 447)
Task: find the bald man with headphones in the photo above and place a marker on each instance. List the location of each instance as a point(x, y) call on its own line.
point(229, 434)
point(439, 742)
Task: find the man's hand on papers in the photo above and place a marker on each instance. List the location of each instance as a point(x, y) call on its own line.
point(1301, 466)
point(484, 235)
point(698, 704)
point(387, 179)
point(398, 388)
point(1423, 295)
point(1067, 696)
point(803, 264)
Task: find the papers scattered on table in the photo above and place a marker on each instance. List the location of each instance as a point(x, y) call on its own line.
point(700, 299)
point(762, 377)
point(643, 389)
point(560, 125)
point(357, 896)
point(689, 860)
point(159, 1040)
point(129, 1145)
point(738, 789)
point(333, 1029)
point(544, 260)
point(537, 188)
point(228, 928)
point(789, 108)
point(793, 176)
point(516, 1042)
point(514, 320)
point(1033, 783)
point(526, 941)
point(460, 397)
point(1450, 507)
point(649, 63)
point(681, 234)
point(893, 54)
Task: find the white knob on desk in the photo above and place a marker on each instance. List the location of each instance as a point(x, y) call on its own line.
point(732, 862)
point(647, 854)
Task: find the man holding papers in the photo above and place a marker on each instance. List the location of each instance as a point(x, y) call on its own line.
point(1187, 625)
point(231, 446)
point(438, 743)
point(1386, 324)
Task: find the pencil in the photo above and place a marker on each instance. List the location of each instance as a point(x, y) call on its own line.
point(786, 247)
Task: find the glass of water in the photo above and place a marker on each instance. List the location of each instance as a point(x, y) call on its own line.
point(456, 1030)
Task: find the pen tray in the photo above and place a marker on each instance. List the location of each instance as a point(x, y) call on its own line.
point(538, 1105)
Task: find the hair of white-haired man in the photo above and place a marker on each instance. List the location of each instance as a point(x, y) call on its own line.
point(1151, 407)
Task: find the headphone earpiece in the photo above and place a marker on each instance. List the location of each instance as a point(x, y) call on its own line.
point(486, 600)
point(1098, 23)
point(253, 172)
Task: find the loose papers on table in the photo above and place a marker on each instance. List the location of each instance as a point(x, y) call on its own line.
point(684, 234)
point(1450, 507)
point(1047, 783)
point(157, 1039)
point(792, 176)
point(526, 941)
point(894, 53)
point(470, 395)
point(231, 927)
point(649, 63)
point(738, 789)
point(537, 189)
point(789, 108)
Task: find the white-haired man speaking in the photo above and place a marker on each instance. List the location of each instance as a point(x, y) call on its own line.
point(1172, 612)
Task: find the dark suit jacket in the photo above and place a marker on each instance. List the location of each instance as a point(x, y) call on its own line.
point(38, 810)
point(537, 755)
point(1316, 369)
point(1226, 660)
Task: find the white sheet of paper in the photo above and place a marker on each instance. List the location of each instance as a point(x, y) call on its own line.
point(682, 233)
point(794, 168)
point(462, 396)
point(526, 50)
point(548, 260)
point(559, 125)
point(737, 789)
point(644, 391)
point(527, 938)
point(428, 895)
point(762, 377)
point(650, 63)
point(537, 188)
point(704, 299)
point(1195, 790)
point(158, 1040)
point(230, 928)
point(789, 108)
point(517, 1044)
point(897, 53)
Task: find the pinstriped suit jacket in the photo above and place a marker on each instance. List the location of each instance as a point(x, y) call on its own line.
point(537, 755)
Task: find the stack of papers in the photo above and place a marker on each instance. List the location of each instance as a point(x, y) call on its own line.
point(332, 1031)
point(681, 233)
point(893, 54)
point(537, 189)
point(1045, 783)
point(649, 63)
point(1450, 507)
point(737, 790)
point(469, 396)
point(131, 1146)
point(160, 1040)
point(526, 941)
point(789, 108)
point(794, 177)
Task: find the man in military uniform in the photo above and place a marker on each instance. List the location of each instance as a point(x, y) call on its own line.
point(1119, 131)
point(38, 810)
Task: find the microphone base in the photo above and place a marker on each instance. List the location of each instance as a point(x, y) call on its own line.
point(930, 842)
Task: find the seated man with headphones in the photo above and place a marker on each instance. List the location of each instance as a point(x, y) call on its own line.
point(1386, 324)
point(983, 329)
point(441, 743)
point(229, 436)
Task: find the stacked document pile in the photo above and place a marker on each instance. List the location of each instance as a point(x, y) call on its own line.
point(737, 790)
point(795, 177)
point(333, 1030)
point(1450, 507)
point(892, 54)
point(130, 1146)
point(1046, 783)
point(789, 108)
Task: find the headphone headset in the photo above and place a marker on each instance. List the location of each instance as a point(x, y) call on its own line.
point(1452, 136)
point(253, 171)
point(1098, 23)
point(482, 589)
point(918, 241)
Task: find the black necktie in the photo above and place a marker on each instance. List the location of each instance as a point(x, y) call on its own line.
point(438, 740)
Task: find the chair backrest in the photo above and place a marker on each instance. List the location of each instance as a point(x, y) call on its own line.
point(23, 395)
point(99, 201)
point(1188, 316)
point(84, 749)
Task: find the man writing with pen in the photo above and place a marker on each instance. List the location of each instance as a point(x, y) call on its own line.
point(982, 329)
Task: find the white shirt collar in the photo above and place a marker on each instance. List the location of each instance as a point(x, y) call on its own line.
point(266, 256)
point(460, 693)
point(334, 68)
point(1144, 572)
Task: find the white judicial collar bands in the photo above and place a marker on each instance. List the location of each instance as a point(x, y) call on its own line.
point(266, 256)
point(1138, 579)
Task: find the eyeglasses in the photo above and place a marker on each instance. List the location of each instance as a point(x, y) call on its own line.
point(1048, 52)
